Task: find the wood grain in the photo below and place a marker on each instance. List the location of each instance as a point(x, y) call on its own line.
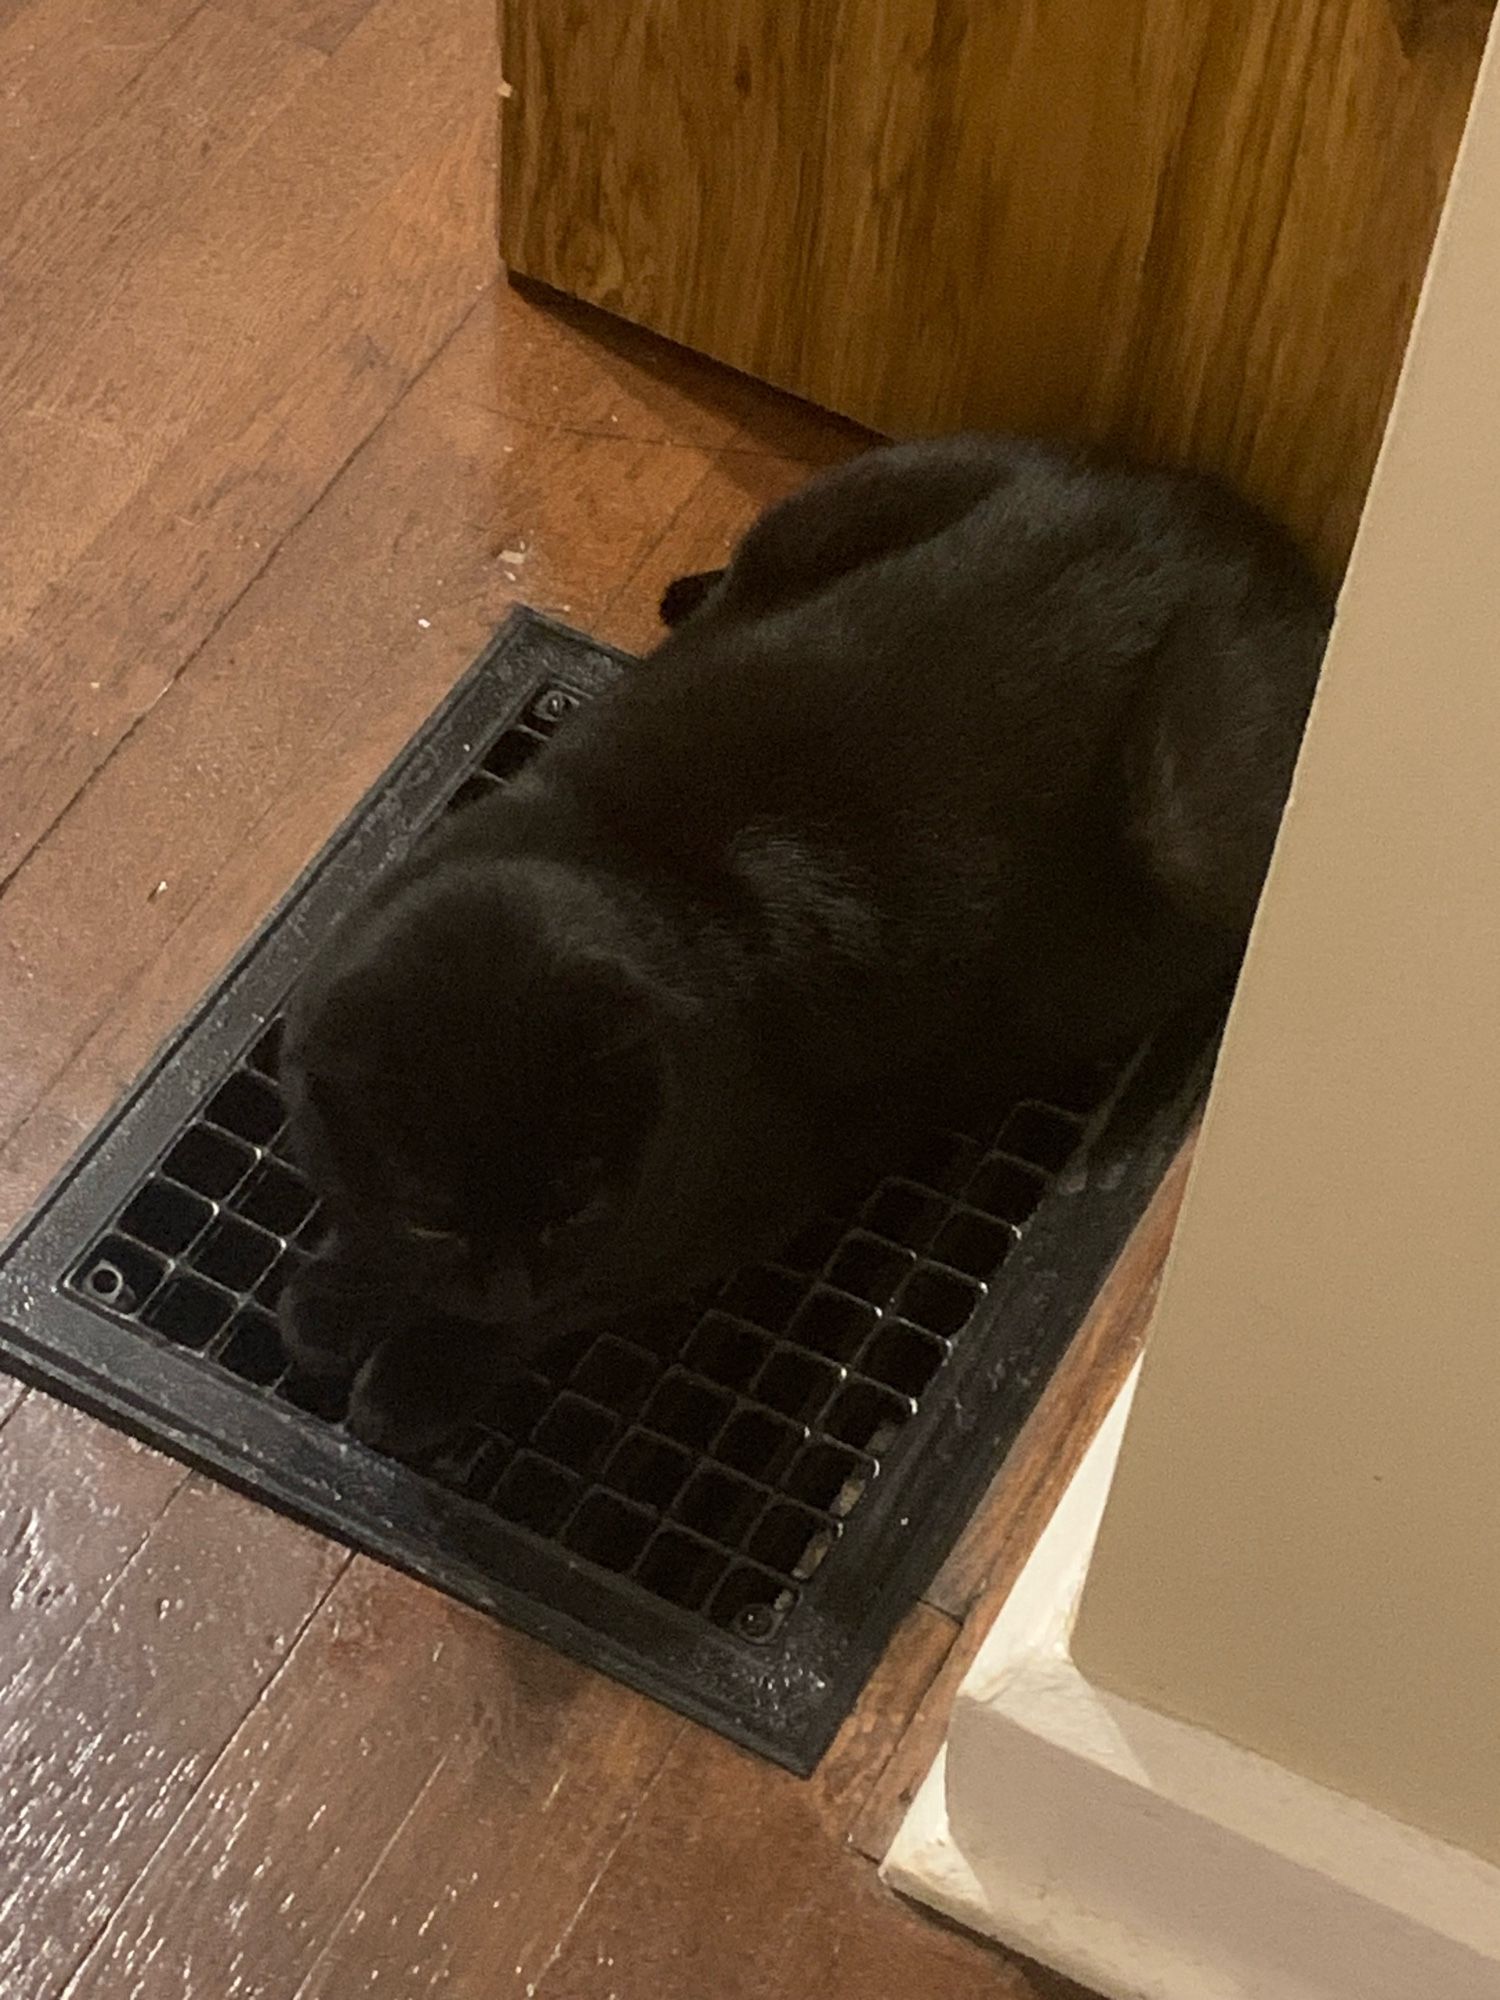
point(1289, 247)
point(1196, 232)
point(98, 377)
point(420, 1800)
point(1419, 20)
point(404, 1940)
point(130, 183)
point(244, 357)
point(319, 24)
point(103, 1756)
point(990, 1555)
point(66, 64)
point(76, 1503)
point(733, 1881)
point(639, 223)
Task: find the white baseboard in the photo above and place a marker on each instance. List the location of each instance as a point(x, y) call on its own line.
point(1152, 1860)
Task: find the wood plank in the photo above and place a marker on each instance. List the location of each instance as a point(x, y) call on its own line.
point(245, 766)
point(419, 1789)
point(115, 631)
point(244, 261)
point(988, 1558)
point(843, 1781)
point(101, 1759)
point(97, 376)
point(436, 1913)
point(563, 362)
point(734, 1881)
point(11, 1394)
point(69, 250)
point(66, 63)
point(76, 1503)
point(367, 187)
point(791, 427)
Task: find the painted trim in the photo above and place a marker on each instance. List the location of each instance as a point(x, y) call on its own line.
point(1152, 1860)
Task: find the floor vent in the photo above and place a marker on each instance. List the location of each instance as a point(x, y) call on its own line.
point(730, 1506)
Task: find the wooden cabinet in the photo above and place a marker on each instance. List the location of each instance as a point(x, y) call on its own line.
point(1196, 228)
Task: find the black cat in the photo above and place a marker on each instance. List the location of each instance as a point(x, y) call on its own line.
point(967, 767)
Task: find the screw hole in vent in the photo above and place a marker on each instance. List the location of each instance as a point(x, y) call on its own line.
point(107, 1282)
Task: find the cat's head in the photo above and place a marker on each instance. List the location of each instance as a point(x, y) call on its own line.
point(474, 1070)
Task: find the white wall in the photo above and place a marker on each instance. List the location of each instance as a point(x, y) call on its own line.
point(1302, 1547)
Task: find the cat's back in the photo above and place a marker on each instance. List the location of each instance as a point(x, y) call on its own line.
point(1002, 645)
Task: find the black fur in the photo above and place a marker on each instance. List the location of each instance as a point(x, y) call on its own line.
point(967, 767)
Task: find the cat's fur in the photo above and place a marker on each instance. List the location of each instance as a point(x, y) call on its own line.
point(968, 766)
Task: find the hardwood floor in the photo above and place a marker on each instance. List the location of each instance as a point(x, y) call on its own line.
point(281, 449)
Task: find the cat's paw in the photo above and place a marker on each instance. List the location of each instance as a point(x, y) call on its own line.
point(326, 1322)
point(398, 1407)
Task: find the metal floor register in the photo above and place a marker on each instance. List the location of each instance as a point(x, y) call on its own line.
point(729, 1507)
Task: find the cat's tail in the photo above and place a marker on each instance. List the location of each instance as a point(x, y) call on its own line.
point(686, 595)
